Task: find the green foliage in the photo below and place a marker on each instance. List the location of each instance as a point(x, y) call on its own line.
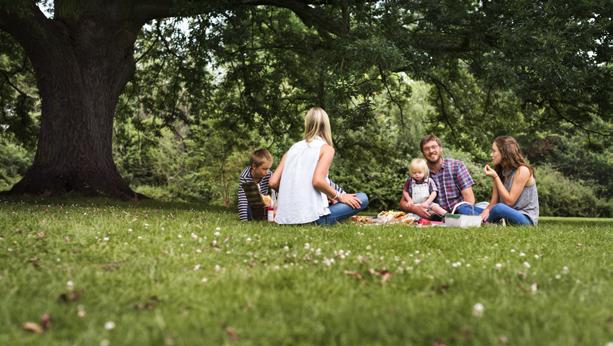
point(14, 161)
point(579, 158)
point(563, 196)
point(162, 275)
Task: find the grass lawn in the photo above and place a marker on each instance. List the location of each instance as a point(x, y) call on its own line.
point(153, 273)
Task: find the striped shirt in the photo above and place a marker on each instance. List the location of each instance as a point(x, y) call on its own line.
point(451, 180)
point(243, 204)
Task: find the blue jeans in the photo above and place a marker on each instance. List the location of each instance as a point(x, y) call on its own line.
point(467, 209)
point(340, 211)
point(512, 216)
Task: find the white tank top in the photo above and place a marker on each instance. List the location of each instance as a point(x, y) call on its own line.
point(298, 201)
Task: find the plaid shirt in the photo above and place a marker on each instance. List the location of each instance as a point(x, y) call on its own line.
point(451, 180)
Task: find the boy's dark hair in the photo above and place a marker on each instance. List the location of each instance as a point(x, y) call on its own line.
point(429, 138)
point(260, 156)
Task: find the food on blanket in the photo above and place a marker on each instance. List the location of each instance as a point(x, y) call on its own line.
point(266, 199)
point(410, 219)
point(391, 214)
point(362, 219)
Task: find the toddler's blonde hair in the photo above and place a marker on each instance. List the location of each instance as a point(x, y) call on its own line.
point(419, 165)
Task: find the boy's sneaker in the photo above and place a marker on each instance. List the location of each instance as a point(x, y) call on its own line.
point(503, 222)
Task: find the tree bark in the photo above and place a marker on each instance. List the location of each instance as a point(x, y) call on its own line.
point(81, 67)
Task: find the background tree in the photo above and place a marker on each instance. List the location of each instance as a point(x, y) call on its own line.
point(242, 75)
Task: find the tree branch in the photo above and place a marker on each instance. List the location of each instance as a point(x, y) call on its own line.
point(576, 124)
point(24, 21)
point(147, 10)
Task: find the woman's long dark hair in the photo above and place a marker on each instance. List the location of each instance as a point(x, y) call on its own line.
point(511, 154)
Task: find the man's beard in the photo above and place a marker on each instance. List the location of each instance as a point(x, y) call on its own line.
point(435, 161)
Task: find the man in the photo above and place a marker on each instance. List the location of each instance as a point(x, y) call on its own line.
point(452, 179)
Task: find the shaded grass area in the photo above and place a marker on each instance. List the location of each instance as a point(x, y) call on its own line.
point(182, 274)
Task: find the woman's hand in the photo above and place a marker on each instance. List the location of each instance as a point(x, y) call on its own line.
point(489, 171)
point(351, 200)
point(484, 215)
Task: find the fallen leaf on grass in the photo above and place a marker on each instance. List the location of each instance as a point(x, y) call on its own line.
point(38, 328)
point(354, 274)
point(45, 321)
point(232, 334)
point(149, 304)
point(34, 261)
point(442, 288)
point(40, 235)
point(385, 274)
point(438, 342)
point(32, 327)
point(70, 296)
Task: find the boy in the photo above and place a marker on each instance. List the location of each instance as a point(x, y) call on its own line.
point(258, 172)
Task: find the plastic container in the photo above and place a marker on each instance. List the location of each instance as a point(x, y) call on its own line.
point(457, 220)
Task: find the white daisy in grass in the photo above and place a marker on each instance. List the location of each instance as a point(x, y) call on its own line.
point(217, 268)
point(217, 228)
point(498, 266)
point(536, 257)
point(248, 240)
point(204, 280)
point(526, 265)
point(70, 285)
point(534, 288)
point(109, 325)
point(197, 267)
point(521, 254)
point(328, 262)
point(307, 246)
point(565, 270)
point(217, 233)
point(194, 236)
point(456, 264)
point(105, 342)
point(286, 248)
point(478, 310)
point(318, 252)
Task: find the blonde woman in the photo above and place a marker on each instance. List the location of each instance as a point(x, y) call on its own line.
point(305, 192)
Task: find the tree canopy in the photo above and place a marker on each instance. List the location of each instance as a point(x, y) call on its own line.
point(235, 67)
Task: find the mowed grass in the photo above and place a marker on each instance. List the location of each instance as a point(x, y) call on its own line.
point(176, 274)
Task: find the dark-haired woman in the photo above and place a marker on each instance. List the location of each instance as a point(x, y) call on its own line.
point(514, 194)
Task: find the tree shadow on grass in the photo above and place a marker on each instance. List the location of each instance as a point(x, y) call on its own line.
point(79, 200)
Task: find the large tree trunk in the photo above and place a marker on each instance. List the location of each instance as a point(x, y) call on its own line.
point(81, 72)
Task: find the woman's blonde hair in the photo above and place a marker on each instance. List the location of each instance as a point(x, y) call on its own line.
point(421, 165)
point(317, 123)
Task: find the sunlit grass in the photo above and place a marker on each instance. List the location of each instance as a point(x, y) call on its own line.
point(180, 274)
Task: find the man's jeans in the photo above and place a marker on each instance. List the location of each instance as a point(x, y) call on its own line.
point(512, 216)
point(340, 211)
point(468, 209)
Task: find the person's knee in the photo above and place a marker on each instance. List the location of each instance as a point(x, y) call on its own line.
point(363, 199)
point(497, 208)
